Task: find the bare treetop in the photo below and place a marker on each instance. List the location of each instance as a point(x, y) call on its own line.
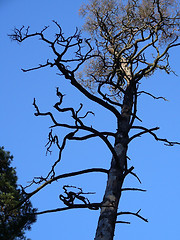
point(113, 19)
point(132, 39)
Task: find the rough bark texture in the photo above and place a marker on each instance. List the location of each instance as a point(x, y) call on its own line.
point(108, 215)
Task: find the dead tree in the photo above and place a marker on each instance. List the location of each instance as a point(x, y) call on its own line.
point(128, 43)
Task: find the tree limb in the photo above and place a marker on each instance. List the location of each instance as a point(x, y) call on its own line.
point(134, 214)
point(166, 142)
point(61, 176)
point(91, 206)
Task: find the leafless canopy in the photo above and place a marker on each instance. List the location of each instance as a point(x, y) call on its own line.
point(129, 41)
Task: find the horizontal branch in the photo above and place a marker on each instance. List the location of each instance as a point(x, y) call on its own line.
point(123, 222)
point(133, 189)
point(93, 135)
point(92, 206)
point(38, 67)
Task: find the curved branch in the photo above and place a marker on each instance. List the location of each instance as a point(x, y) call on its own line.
point(134, 214)
point(71, 174)
point(166, 142)
point(143, 132)
point(93, 135)
point(129, 171)
point(65, 175)
point(139, 93)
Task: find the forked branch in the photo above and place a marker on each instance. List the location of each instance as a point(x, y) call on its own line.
point(134, 214)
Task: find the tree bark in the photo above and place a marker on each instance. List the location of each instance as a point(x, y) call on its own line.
point(108, 215)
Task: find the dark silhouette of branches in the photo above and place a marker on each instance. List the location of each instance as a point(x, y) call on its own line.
point(145, 130)
point(38, 180)
point(128, 42)
point(71, 196)
point(94, 206)
point(139, 93)
point(134, 214)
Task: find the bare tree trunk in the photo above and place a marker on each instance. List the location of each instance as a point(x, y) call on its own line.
point(108, 214)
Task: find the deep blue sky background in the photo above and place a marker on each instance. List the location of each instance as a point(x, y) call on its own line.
point(25, 135)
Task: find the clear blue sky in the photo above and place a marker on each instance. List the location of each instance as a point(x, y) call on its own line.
point(25, 135)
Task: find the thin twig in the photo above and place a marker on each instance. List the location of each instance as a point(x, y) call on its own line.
point(134, 214)
point(139, 93)
point(123, 222)
point(133, 189)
